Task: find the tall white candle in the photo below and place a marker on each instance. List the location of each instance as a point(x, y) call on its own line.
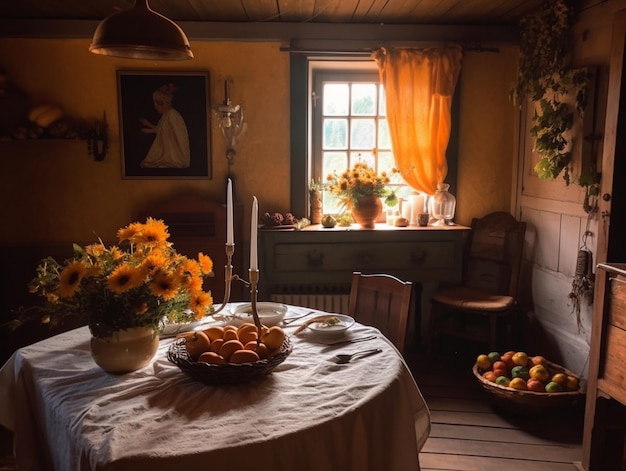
point(254, 262)
point(229, 214)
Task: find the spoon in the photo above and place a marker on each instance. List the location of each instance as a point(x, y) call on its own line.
point(342, 358)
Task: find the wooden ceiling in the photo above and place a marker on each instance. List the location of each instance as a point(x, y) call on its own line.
point(427, 12)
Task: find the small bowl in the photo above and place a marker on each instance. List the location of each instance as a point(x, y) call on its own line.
point(269, 313)
point(335, 330)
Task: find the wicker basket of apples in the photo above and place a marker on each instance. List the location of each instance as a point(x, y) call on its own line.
point(527, 384)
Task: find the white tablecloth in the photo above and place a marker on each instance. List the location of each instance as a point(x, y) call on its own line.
point(309, 414)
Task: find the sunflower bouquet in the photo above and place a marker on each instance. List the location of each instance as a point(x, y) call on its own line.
point(141, 282)
point(355, 183)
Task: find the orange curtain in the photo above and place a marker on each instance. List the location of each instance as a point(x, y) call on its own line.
point(419, 85)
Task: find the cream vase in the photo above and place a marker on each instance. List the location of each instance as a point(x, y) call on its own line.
point(125, 350)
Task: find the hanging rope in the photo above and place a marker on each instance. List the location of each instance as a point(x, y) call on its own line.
point(583, 278)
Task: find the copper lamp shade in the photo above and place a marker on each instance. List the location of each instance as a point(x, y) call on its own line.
point(140, 33)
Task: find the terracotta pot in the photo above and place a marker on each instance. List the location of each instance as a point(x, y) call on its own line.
point(125, 350)
point(366, 211)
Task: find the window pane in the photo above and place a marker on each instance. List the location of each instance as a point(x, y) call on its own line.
point(363, 134)
point(334, 162)
point(335, 134)
point(364, 99)
point(336, 99)
point(386, 162)
point(384, 142)
point(382, 108)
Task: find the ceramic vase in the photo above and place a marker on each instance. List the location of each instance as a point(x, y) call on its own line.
point(125, 350)
point(366, 211)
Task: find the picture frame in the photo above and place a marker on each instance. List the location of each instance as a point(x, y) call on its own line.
point(178, 147)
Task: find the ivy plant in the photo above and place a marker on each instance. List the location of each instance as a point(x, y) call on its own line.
point(547, 78)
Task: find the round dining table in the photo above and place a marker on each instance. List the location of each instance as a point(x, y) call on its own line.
point(310, 413)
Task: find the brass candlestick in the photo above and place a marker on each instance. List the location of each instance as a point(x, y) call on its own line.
point(228, 276)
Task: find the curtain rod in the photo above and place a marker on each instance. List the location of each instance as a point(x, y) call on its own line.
point(476, 47)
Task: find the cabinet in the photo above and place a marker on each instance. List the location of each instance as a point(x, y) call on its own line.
point(313, 267)
point(316, 258)
point(605, 412)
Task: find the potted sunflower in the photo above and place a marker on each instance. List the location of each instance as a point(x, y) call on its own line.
point(126, 293)
point(360, 189)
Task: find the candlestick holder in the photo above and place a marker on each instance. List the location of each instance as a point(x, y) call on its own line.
point(229, 277)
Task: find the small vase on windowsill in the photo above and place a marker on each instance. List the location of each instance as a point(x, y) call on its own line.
point(442, 205)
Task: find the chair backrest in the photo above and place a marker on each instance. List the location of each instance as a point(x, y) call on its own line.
point(493, 254)
point(382, 301)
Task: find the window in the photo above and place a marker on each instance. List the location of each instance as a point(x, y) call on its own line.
point(348, 123)
point(306, 114)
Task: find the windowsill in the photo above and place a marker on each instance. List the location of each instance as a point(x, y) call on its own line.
point(383, 227)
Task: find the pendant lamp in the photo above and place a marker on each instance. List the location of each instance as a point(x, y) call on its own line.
point(140, 33)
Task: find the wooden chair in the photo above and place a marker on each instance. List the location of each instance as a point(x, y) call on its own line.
point(382, 301)
point(487, 297)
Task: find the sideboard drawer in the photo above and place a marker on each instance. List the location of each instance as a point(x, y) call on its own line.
point(431, 255)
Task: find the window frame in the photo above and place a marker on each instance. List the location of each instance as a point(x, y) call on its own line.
point(301, 109)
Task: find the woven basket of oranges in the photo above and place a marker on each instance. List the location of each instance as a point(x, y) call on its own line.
point(523, 384)
point(230, 355)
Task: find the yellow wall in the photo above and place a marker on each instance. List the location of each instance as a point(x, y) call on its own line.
point(53, 192)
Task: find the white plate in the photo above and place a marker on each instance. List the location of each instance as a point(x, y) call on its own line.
point(269, 313)
point(334, 330)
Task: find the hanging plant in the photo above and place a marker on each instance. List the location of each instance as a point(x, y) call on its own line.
point(546, 77)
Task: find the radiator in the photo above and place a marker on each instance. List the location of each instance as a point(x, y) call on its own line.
point(337, 303)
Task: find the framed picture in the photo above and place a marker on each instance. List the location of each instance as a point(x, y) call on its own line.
point(164, 124)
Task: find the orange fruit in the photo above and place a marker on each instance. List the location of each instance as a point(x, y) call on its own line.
point(520, 358)
point(499, 365)
point(573, 383)
point(490, 376)
point(501, 372)
point(539, 372)
point(518, 383)
point(483, 362)
point(560, 378)
point(507, 358)
point(533, 384)
point(538, 360)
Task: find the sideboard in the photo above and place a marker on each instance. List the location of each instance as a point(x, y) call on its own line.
point(605, 409)
point(316, 263)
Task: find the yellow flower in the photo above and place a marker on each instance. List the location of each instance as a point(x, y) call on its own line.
point(142, 281)
point(70, 277)
point(124, 278)
point(357, 182)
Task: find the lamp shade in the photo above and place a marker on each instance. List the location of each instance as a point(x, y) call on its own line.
point(140, 33)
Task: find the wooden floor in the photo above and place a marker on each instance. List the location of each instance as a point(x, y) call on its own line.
point(469, 434)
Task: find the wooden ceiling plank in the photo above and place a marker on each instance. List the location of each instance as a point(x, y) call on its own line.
point(296, 10)
point(262, 10)
point(333, 11)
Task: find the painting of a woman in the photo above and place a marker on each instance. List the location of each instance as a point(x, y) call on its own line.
point(170, 148)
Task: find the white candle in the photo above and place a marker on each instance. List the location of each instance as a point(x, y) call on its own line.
point(254, 262)
point(229, 214)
